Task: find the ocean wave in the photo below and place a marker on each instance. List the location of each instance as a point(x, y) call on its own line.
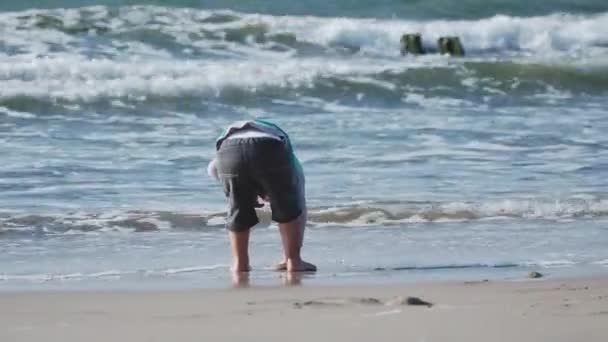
point(399, 213)
point(149, 53)
point(29, 85)
point(171, 27)
point(356, 215)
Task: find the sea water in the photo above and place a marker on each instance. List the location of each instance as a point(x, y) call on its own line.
point(418, 167)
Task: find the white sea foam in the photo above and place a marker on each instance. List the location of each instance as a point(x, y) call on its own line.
point(552, 32)
point(192, 269)
point(51, 64)
point(354, 215)
point(16, 114)
point(552, 263)
point(546, 34)
point(114, 273)
point(556, 32)
point(602, 262)
point(72, 77)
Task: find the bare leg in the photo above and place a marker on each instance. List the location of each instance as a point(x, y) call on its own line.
point(301, 225)
point(292, 236)
point(239, 242)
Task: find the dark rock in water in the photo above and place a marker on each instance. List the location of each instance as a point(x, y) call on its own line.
point(412, 44)
point(451, 46)
point(535, 275)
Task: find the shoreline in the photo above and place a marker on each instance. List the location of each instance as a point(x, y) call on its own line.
point(272, 279)
point(544, 309)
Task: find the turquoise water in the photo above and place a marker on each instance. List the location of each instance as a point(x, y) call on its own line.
point(414, 9)
point(418, 167)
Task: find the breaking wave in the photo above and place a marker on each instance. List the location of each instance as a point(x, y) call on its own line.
point(144, 53)
point(386, 214)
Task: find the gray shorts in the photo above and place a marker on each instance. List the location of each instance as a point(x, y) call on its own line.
point(252, 167)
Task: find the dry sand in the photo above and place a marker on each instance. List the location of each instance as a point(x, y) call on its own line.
point(531, 310)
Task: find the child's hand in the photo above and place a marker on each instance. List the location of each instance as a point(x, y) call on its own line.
point(260, 201)
point(212, 169)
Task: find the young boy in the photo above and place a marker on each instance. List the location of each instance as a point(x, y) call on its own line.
point(255, 159)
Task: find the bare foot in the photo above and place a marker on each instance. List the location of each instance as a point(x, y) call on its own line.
point(300, 266)
point(239, 268)
point(282, 266)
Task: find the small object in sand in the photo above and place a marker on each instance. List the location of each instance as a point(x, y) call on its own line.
point(418, 301)
point(316, 303)
point(535, 275)
point(367, 301)
point(408, 301)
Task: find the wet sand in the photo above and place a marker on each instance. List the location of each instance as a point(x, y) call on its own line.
point(527, 310)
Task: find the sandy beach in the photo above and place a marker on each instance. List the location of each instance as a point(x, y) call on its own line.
point(527, 310)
